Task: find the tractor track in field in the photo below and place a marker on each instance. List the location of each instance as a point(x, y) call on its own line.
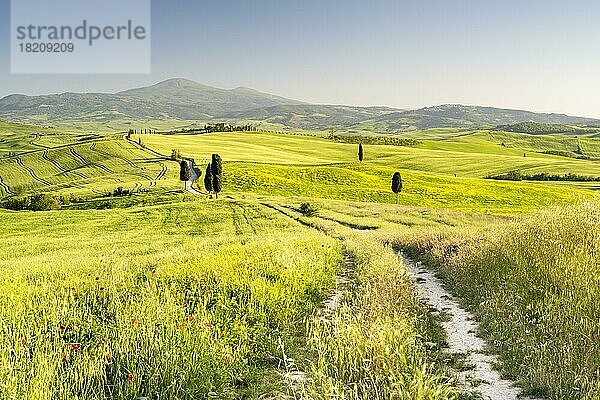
point(238, 213)
point(31, 172)
point(78, 157)
point(162, 173)
point(80, 174)
point(63, 170)
point(39, 145)
point(103, 168)
point(295, 377)
point(5, 187)
point(461, 331)
point(147, 177)
point(109, 155)
point(46, 157)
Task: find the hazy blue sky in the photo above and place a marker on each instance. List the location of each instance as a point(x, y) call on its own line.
point(542, 55)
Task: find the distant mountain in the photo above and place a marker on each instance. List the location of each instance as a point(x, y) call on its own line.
point(174, 99)
point(460, 116)
point(312, 116)
point(188, 100)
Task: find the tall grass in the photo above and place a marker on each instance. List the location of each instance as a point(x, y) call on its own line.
point(372, 347)
point(535, 286)
point(177, 301)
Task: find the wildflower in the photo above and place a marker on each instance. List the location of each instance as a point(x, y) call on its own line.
point(134, 321)
point(182, 326)
point(208, 324)
point(23, 341)
point(73, 346)
point(108, 357)
point(191, 318)
point(66, 357)
point(130, 377)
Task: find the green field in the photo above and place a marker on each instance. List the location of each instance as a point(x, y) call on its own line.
point(164, 295)
point(87, 169)
point(314, 167)
point(196, 298)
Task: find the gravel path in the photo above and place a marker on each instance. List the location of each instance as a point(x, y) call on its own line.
point(461, 330)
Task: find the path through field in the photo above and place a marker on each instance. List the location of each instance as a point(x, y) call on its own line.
point(461, 329)
point(188, 185)
point(295, 377)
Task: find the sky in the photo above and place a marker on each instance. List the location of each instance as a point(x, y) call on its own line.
point(539, 55)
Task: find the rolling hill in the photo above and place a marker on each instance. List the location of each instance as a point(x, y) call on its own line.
point(312, 116)
point(171, 99)
point(182, 99)
point(461, 116)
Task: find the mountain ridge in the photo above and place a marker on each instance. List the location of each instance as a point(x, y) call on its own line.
point(185, 99)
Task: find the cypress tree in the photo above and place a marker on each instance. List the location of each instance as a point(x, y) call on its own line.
point(360, 152)
point(208, 179)
point(216, 167)
point(184, 171)
point(397, 184)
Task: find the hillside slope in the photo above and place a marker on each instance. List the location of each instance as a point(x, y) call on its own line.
point(182, 99)
point(461, 116)
point(171, 99)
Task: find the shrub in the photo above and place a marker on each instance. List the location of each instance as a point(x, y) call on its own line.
point(120, 192)
point(309, 210)
point(38, 202)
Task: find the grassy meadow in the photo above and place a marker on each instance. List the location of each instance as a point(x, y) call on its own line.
point(164, 295)
point(535, 285)
point(191, 299)
point(174, 301)
point(286, 165)
point(532, 282)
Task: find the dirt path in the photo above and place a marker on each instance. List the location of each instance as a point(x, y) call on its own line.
point(295, 377)
point(189, 184)
point(144, 148)
point(162, 173)
point(460, 329)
